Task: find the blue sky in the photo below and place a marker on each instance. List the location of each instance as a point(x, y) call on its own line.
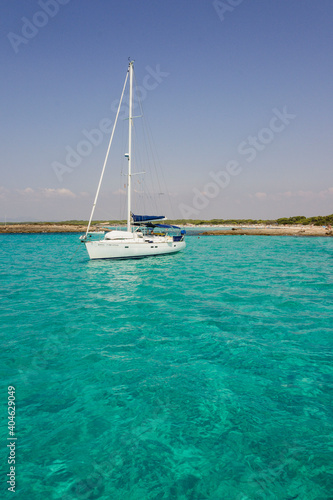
point(238, 94)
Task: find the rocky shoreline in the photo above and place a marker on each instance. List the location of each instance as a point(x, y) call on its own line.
point(235, 231)
point(41, 228)
point(272, 231)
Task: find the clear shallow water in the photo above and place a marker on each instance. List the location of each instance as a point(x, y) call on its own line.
point(204, 375)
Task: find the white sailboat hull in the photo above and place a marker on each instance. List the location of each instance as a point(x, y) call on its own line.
point(106, 249)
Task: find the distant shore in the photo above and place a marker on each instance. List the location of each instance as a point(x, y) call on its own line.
point(272, 231)
point(209, 230)
point(41, 228)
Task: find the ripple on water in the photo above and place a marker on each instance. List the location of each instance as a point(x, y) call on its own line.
point(202, 375)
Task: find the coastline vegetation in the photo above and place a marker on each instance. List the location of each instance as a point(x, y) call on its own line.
point(288, 221)
point(320, 220)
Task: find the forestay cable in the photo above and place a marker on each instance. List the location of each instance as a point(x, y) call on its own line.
point(106, 157)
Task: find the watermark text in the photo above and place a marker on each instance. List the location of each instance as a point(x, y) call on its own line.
point(12, 439)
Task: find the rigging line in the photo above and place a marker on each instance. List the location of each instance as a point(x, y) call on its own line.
point(142, 115)
point(155, 172)
point(147, 157)
point(121, 187)
point(143, 198)
point(148, 146)
point(154, 149)
point(149, 136)
point(158, 171)
point(70, 260)
point(153, 153)
point(107, 155)
point(122, 180)
point(141, 163)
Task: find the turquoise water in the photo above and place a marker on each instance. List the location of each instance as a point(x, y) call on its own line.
point(205, 375)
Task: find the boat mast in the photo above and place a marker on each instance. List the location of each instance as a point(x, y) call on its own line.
point(130, 117)
point(106, 157)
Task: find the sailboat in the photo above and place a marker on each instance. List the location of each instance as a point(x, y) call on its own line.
point(145, 235)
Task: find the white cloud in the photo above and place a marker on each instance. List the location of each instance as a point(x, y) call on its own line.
point(305, 195)
point(119, 191)
point(46, 193)
point(28, 191)
point(314, 194)
point(60, 192)
point(3, 192)
point(261, 196)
